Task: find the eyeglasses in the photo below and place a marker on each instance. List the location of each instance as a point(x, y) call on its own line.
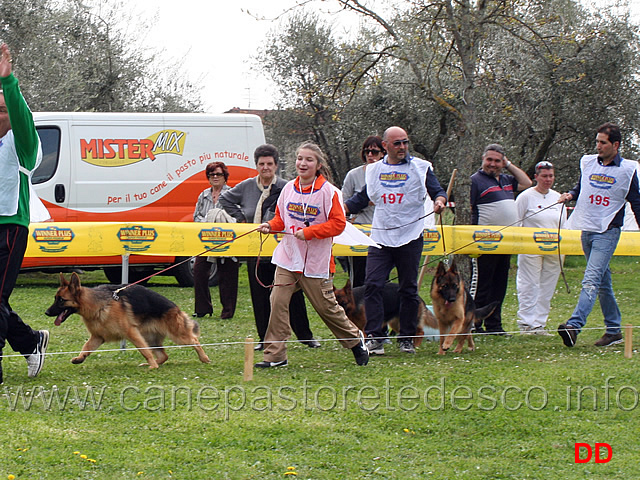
point(216, 174)
point(543, 164)
point(397, 143)
point(371, 151)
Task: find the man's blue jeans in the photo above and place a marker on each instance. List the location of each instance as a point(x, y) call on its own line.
point(598, 249)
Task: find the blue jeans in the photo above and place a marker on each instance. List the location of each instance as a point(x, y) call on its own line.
point(598, 249)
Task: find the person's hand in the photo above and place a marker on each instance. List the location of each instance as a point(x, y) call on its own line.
point(264, 228)
point(5, 61)
point(438, 206)
point(565, 197)
point(299, 235)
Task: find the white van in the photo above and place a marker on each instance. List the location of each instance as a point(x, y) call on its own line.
point(129, 167)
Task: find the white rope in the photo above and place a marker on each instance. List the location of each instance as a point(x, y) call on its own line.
point(255, 342)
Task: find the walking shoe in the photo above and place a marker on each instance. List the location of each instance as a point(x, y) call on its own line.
point(568, 334)
point(539, 330)
point(500, 332)
point(609, 339)
point(406, 346)
point(374, 346)
point(312, 343)
point(360, 351)
point(36, 359)
point(265, 364)
point(525, 330)
point(259, 347)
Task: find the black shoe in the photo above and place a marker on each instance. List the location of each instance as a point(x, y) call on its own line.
point(406, 346)
point(265, 364)
point(199, 315)
point(360, 352)
point(259, 347)
point(477, 329)
point(499, 332)
point(313, 343)
point(568, 334)
point(609, 339)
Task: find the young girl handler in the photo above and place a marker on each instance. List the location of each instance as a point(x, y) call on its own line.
point(310, 213)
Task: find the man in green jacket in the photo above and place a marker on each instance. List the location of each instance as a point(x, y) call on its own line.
point(19, 145)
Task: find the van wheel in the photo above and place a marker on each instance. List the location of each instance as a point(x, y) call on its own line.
point(114, 275)
point(184, 273)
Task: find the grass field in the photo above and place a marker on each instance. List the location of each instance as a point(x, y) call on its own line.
point(513, 409)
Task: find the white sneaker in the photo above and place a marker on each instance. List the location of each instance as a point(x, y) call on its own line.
point(525, 330)
point(35, 361)
point(539, 331)
point(375, 347)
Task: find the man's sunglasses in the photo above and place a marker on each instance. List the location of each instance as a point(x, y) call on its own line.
point(397, 143)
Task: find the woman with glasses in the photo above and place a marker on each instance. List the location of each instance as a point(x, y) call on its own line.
point(372, 151)
point(217, 174)
point(538, 274)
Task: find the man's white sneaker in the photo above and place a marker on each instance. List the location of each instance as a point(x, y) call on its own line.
point(35, 361)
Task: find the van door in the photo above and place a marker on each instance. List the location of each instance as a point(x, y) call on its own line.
point(51, 178)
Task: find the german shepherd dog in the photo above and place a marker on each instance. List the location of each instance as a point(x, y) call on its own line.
point(139, 315)
point(352, 301)
point(455, 309)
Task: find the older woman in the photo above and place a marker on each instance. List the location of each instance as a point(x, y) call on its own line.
point(372, 151)
point(217, 174)
point(254, 201)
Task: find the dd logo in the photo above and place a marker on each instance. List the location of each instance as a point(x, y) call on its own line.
point(590, 453)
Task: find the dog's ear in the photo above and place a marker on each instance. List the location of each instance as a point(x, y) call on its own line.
point(347, 287)
point(63, 281)
point(74, 284)
point(453, 267)
point(441, 270)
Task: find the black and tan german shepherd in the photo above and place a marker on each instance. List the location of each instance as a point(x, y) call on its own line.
point(352, 301)
point(455, 309)
point(140, 315)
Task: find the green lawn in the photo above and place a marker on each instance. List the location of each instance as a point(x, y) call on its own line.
point(513, 409)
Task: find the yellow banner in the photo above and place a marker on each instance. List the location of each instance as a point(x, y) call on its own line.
point(80, 239)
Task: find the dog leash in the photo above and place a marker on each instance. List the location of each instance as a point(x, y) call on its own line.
point(476, 241)
point(116, 292)
point(260, 256)
point(564, 278)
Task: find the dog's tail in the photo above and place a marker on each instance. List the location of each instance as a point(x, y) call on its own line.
point(483, 312)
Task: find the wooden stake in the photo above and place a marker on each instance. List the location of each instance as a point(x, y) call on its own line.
point(248, 359)
point(628, 341)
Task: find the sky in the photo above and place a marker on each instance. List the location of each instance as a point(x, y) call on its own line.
point(217, 39)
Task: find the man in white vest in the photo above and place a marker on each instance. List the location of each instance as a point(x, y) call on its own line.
point(607, 181)
point(398, 186)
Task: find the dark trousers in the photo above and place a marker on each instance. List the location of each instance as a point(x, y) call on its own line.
point(298, 318)
point(493, 276)
point(357, 270)
point(380, 262)
point(13, 243)
point(228, 285)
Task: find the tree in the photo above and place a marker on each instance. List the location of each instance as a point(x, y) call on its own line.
point(70, 57)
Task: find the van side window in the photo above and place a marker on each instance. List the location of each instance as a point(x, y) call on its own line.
point(50, 139)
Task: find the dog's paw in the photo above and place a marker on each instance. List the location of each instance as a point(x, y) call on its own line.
point(77, 360)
